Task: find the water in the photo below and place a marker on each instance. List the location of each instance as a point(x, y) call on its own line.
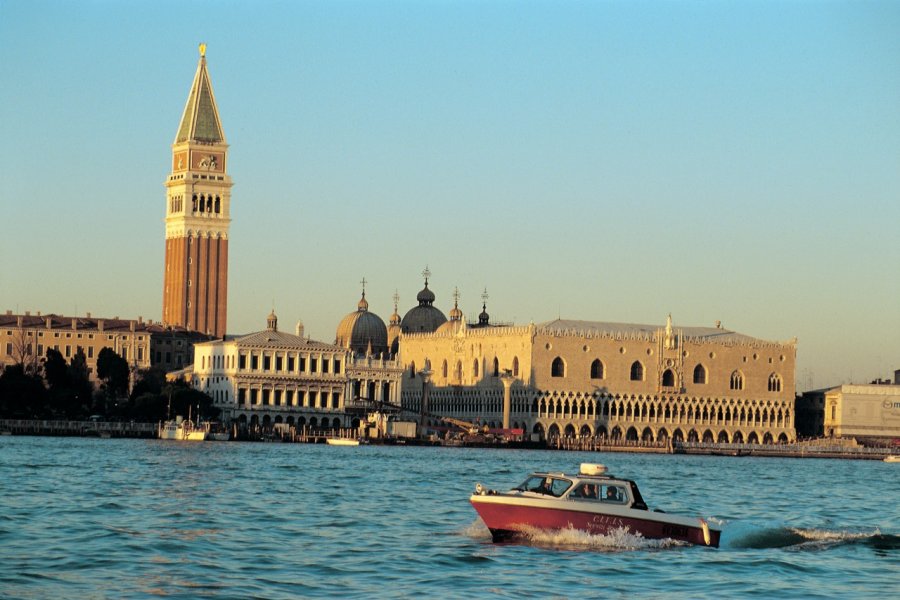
point(92, 518)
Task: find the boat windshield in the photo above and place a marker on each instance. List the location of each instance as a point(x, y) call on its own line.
point(545, 484)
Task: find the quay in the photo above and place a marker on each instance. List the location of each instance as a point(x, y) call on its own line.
point(814, 448)
point(104, 429)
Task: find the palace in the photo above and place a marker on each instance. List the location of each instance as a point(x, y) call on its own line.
point(618, 380)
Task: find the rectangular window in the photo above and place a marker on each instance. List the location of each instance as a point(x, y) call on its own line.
point(242, 394)
point(267, 362)
point(68, 351)
point(337, 367)
point(335, 400)
point(140, 354)
point(168, 358)
point(254, 362)
point(125, 352)
point(9, 349)
point(265, 397)
point(279, 363)
point(277, 397)
point(301, 398)
point(303, 364)
point(242, 362)
point(290, 364)
point(40, 349)
point(313, 365)
point(312, 399)
point(324, 365)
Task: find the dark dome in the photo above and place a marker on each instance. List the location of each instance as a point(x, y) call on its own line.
point(362, 330)
point(423, 318)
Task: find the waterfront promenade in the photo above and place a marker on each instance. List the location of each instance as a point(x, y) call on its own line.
point(816, 448)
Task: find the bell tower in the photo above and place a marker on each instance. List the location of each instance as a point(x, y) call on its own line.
point(198, 203)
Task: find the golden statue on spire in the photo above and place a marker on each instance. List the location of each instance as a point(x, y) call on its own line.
point(202, 50)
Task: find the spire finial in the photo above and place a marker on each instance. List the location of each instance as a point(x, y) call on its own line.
point(455, 296)
point(364, 282)
point(484, 298)
point(203, 50)
point(396, 299)
point(426, 274)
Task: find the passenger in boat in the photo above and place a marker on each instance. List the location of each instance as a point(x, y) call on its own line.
point(587, 490)
point(612, 494)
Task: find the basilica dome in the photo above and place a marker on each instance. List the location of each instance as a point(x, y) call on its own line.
point(424, 318)
point(362, 331)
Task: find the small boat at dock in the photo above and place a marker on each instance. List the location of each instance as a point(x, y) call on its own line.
point(338, 441)
point(892, 458)
point(181, 429)
point(591, 500)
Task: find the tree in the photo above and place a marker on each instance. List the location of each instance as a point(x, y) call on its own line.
point(24, 353)
point(22, 394)
point(80, 385)
point(113, 370)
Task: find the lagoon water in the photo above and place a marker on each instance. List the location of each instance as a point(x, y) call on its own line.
point(92, 518)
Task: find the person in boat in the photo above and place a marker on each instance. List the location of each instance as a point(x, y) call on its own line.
point(612, 494)
point(587, 491)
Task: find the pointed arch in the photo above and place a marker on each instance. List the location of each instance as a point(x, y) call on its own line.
point(700, 374)
point(637, 371)
point(597, 369)
point(737, 380)
point(668, 378)
point(774, 382)
point(558, 367)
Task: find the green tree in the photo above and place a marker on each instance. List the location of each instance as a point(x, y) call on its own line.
point(80, 386)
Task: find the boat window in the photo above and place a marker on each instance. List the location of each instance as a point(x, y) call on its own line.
point(613, 493)
point(544, 484)
point(585, 491)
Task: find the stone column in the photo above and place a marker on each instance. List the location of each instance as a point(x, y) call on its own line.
point(423, 408)
point(507, 380)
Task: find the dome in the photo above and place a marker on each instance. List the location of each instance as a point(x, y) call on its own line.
point(424, 318)
point(362, 331)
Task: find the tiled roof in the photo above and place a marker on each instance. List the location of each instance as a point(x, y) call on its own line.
point(599, 328)
point(280, 340)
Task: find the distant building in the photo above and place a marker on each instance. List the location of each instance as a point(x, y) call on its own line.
point(619, 380)
point(143, 344)
point(868, 413)
point(198, 214)
point(272, 377)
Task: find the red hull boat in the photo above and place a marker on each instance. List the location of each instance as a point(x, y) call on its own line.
point(590, 501)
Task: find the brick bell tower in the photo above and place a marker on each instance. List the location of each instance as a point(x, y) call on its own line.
point(198, 201)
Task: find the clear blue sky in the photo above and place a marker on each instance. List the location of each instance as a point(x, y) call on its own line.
point(611, 161)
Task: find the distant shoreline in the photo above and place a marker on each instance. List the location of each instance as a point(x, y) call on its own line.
point(821, 448)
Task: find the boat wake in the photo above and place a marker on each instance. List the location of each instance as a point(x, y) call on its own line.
point(810, 539)
point(616, 540)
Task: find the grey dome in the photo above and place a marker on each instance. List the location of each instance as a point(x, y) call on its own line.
point(362, 331)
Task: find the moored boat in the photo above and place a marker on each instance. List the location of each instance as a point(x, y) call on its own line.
point(338, 441)
point(892, 458)
point(591, 501)
point(181, 429)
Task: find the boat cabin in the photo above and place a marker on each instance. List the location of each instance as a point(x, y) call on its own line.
point(585, 488)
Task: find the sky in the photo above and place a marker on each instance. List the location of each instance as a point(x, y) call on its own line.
point(603, 161)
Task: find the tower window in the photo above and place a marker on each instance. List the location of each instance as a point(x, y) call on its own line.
point(737, 381)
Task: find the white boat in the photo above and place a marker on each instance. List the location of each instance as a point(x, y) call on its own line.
point(892, 458)
point(182, 430)
point(338, 441)
point(590, 501)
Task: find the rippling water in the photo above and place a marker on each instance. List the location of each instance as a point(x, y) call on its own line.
point(85, 518)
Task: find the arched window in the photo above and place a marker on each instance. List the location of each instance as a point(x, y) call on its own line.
point(774, 382)
point(700, 374)
point(218, 206)
point(668, 378)
point(496, 367)
point(515, 366)
point(458, 374)
point(475, 367)
point(737, 381)
point(412, 370)
point(558, 368)
point(597, 369)
point(209, 204)
point(194, 203)
point(637, 371)
point(444, 369)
